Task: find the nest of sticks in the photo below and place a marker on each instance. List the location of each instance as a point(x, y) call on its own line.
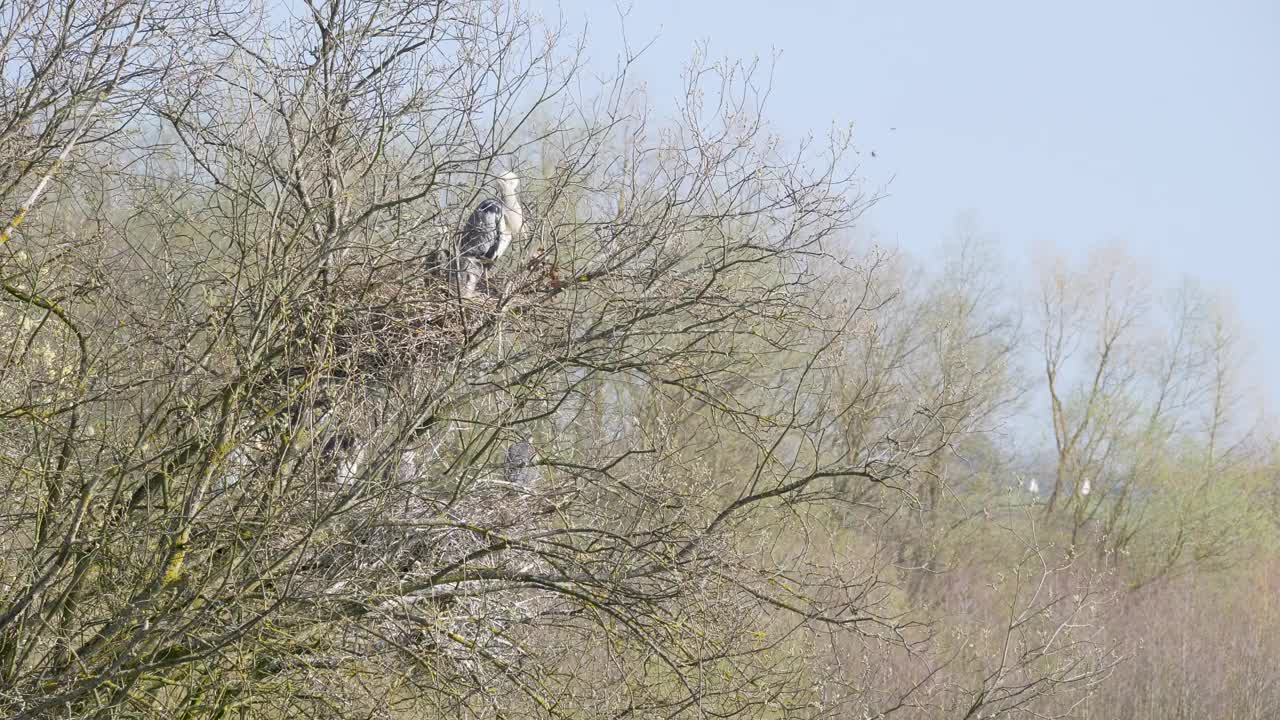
point(400, 316)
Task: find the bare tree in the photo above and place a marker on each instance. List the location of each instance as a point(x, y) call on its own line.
point(253, 465)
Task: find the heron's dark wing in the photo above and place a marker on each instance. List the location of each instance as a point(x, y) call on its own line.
point(480, 236)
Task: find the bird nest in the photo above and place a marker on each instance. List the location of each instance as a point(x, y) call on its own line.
point(393, 320)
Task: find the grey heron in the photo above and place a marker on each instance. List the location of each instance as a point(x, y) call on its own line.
point(489, 230)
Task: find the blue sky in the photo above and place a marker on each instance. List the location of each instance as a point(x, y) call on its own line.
point(1155, 124)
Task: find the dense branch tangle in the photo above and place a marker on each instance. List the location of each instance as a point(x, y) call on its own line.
point(272, 462)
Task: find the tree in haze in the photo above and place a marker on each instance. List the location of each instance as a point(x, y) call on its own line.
point(1156, 456)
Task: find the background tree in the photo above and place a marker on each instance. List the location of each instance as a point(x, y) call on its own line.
point(1139, 393)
